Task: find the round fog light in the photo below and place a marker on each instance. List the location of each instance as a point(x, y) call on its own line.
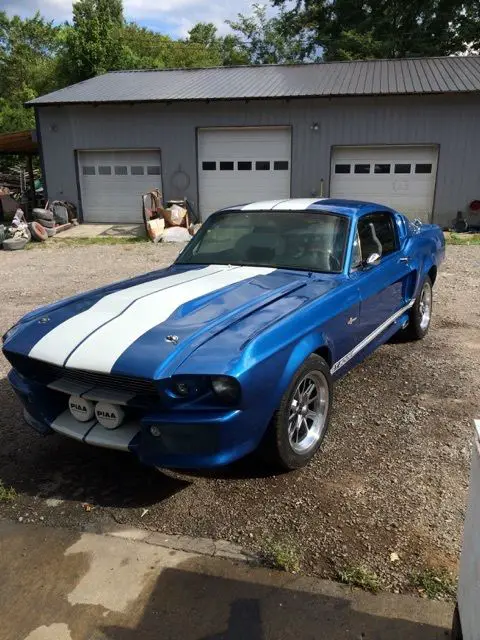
point(155, 431)
point(81, 409)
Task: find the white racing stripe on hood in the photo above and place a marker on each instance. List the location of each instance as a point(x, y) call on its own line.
point(59, 343)
point(102, 349)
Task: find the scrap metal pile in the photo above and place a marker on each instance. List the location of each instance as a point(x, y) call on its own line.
point(175, 222)
point(44, 223)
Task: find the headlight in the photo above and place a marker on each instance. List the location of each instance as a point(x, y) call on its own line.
point(10, 333)
point(226, 388)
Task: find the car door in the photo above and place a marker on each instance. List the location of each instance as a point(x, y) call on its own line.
point(381, 285)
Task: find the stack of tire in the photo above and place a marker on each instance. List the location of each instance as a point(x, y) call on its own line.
point(43, 225)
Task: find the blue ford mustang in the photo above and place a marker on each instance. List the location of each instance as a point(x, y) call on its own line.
point(235, 346)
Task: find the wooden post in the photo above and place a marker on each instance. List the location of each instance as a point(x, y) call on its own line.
point(32, 179)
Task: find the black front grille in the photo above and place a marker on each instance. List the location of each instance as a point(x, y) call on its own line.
point(45, 373)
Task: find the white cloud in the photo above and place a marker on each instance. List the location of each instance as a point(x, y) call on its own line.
point(173, 16)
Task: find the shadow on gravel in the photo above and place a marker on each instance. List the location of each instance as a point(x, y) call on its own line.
point(193, 605)
point(58, 467)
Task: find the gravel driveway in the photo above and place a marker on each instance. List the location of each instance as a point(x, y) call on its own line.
point(392, 476)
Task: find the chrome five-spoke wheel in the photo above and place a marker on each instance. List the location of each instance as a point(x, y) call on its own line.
point(425, 305)
point(308, 412)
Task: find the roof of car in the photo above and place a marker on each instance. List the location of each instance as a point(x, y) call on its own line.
point(331, 205)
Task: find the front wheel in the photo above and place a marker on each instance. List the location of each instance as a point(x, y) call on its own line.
point(420, 313)
point(301, 422)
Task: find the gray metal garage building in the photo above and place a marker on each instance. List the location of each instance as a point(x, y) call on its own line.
point(401, 132)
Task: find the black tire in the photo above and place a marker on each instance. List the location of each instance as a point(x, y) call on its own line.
point(47, 224)
point(39, 233)
point(42, 214)
point(417, 327)
point(14, 244)
point(457, 633)
point(50, 232)
point(277, 447)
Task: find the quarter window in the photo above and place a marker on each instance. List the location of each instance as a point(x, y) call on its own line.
point(423, 168)
point(342, 168)
point(403, 168)
point(362, 168)
point(377, 234)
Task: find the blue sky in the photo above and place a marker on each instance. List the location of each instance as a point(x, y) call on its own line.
point(173, 17)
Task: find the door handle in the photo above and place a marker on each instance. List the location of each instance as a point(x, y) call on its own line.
point(404, 260)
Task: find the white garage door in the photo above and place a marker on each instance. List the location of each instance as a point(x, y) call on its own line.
point(112, 183)
point(396, 176)
point(242, 165)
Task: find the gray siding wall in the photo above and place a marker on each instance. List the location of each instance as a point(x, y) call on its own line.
point(452, 122)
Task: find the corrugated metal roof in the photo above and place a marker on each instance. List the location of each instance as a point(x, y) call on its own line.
point(369, 77)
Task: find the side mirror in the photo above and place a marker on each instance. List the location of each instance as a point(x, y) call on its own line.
point(373, 259)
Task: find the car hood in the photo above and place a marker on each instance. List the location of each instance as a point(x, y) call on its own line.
point(147, 326)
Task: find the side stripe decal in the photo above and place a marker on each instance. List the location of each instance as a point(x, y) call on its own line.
point(361, 345)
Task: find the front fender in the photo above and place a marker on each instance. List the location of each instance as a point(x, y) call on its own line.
point(304, 348)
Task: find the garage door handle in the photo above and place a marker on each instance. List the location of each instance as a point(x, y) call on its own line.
point(405, 260)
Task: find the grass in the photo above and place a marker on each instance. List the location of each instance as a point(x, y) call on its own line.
point(462, 238)
point(7, 494)
point(360, 577)
point(436, 584)
point(282, 555)
point(85, 242)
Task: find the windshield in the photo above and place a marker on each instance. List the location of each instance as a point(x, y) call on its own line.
point(283, 239)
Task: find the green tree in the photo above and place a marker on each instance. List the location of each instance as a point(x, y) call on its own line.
point(224, 50)
point(274, 40)
point(93, 43)
point(355, 29)
point(28, 66)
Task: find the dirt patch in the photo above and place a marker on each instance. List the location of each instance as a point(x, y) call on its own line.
point(392, 476)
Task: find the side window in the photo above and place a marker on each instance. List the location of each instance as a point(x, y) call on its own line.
point(356, 253)
point(377, 234)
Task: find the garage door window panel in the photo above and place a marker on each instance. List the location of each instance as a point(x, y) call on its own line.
point(342, 168)
point(362, 168)
point(403, 168)
point(104, 170)
point(121, 170)
point(423, 168)
point(88, 171)
point(377, 234)
point(226, 166)
point(280, 165)
point(153, 171)
point(382, 168)
point(137, 170)
point(244, 166)
point(262, 165)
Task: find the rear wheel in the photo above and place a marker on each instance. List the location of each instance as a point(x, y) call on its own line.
point(420, 313)
point(301, 422)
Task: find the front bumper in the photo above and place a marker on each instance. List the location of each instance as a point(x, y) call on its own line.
point(186, 439)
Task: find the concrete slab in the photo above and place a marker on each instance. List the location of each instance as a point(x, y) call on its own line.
point(104, 231)
point(63, 585)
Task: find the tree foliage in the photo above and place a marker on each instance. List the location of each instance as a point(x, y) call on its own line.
point(264, 40)
point(360, 29)
point(28, 66)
